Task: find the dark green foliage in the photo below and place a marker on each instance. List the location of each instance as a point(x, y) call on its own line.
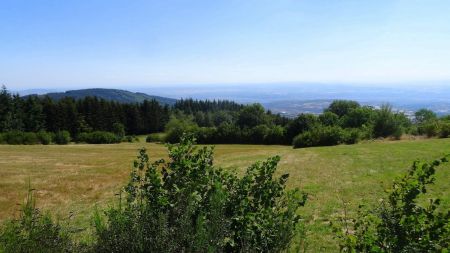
point(342, 107)
point(387, 123)
point(320, 136)
point(190, 106)
point(86, 114)
point(119, 130)
point(155, 137)
point(251, 116)
point(13, 137)
point(429, 128)
point(402, 222)
point(303, 123)
point(211, 121)
point(61, 137)
point(329, 118)
point(188, 205)
point(99, 137)
point(30, 138)
point(445, 130)
point(177, 126)
point(424, 115)
point(33, 232)
point(44, 137)
point(358, 117)
point(351, 135)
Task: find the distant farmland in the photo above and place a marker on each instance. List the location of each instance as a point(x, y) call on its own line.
point(76, 178)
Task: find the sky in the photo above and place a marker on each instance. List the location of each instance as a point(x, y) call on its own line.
point(111, 43)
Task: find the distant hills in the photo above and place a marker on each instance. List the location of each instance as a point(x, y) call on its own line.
point(121, 96)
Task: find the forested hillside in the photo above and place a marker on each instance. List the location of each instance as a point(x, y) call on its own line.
point(122, 96)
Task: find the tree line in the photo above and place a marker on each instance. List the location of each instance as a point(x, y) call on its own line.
point(343, 121)
point(32, 119)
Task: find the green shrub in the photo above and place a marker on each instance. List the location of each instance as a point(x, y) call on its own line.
point(14, 137)
point(320, 136)
point(400, 223)
point(2, 138)
point(176, 127)
point(30, 138)
point(33, 232)
point(119, 130)
point(275, 135)
point(44, 137)
point(430, 128)
point(131, 138)
point(445, 130)
point(61, 137)
point(188, 205)
point(155, 137)
point(98, 137)
point(351, 136)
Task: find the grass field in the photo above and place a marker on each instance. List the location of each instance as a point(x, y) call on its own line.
point(76, 178)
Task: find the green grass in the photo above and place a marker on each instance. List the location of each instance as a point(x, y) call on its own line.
point(76, 178)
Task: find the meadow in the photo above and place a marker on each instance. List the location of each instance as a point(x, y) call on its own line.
point(71, 180)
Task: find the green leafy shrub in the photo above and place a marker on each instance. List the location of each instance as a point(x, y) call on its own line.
point(99, 137)
point(351, 136)
point(444, 130)
point(33, 232)
point(176, 127)
point(401, 223)
point(44, 137)
point(319, 136)
point(130, 138)
point(188, 205)
point(389, 123)
point(119, 130)
point(61, 137)
point(430, 128)
point(13, 137)
point(30, 138)
point(155, 137)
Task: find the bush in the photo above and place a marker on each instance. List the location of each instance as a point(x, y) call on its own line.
point(275, 135)
point(14, 137)
point(30, 138)
point(155, 137)
point(445, 130)
point(98, 137)
point(351, 136)
point(430, 128)
point(188, 205)
point(61, 137)
point(33, 232)
point(400, 223)
point(44, 137)
point(176, 127)
point(387, 123)
point(119, 130)
point(320, 136)
point(27, 138)
point(131, 138)
point(206, 135)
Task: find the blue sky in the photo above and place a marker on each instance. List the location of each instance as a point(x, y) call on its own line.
point(87, 43)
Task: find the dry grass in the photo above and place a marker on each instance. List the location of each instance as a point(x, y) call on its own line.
point(75, 178)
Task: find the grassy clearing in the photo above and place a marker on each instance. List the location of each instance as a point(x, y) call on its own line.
point(76, 178)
